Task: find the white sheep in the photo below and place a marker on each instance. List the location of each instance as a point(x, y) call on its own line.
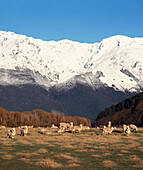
point(127, 131)
point(71, 124)
point(30, 126)
point(124, 127)
point(133, 127)
point(65, 126)
point(85, 127)
point(54, 127)
point(77, 129)
point(11, 133)
point(108, 130)
point(24, 131)
point(45, 131)
point(61, 130)
point(109, 124)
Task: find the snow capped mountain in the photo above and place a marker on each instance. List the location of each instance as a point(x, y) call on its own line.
point(115, 62)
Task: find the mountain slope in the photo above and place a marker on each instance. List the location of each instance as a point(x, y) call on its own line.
point(78, 101)
point(118, 59)
point(129, 111)
point(71, 77)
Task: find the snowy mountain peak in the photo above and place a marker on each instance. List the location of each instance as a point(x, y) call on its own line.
point(118, 58)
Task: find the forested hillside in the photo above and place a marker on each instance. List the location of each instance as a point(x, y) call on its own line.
point(126, 112)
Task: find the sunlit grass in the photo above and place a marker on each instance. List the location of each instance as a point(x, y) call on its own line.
point(86, 150)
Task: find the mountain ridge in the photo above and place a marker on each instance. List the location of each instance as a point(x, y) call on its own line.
point(59, 61)
point(67, 76)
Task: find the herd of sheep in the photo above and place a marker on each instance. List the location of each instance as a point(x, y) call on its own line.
point(69, 127)
point(126, 129)
point(12, 132)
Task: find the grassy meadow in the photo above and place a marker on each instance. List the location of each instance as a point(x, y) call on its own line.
point(86, 150)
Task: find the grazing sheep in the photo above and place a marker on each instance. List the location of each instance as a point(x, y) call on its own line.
point(85, 127)
point(30, 126)
point(24, 131)
point(133, 127)
point(124, 127)
point(54, 127)
point(61, 130)
point(11, 133)
point(64, 125)
point(127, 131)
point(71, 124)
point(109, 124)
point(108, 130)
point(77, 129)
point(44, 131)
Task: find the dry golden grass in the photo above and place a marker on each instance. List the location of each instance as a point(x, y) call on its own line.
point(70, 159)
point(109, 163)
point(140, 148)
point(26, 155)
point(24, 160)
point(68, 146)
point(96, 155)
point(125, 151)
point(73, 165)
point(69, 150)
point(138, 165)
point(106, 154)
point(7, 157)
point(25, 141)
point(134, 158)
point(48, 163)
point(42, 150)
point(84, 150)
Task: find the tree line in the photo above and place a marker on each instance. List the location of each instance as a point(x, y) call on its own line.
point(38, 118)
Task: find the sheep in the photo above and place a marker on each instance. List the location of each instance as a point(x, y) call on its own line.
point(77, 129)
point(11, 133)
point(108, 130)
point(64, 125)
point(30, 126)
point(109, 124)
point(71, 124)
point(85, 127)
point(124, 127)
point(127, 131)
point(54, 127)
point(61, 130)
point(24, 131)
point(44, 131)
point(133, 127)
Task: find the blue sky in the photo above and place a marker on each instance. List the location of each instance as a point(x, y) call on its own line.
point(79, 20)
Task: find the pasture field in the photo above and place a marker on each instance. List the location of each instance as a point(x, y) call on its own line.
point(86, 150)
